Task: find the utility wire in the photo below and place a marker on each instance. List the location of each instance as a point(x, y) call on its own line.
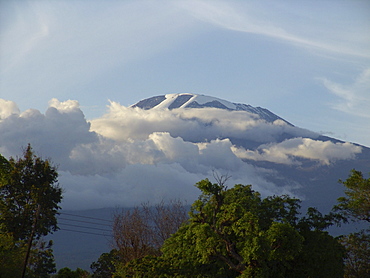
point(82, 221)
point(85, 227)
point(90, 233)
point(75, 215)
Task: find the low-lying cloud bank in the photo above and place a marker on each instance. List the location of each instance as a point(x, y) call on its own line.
point(129, 155)
point(124, 123)
point(288, 151)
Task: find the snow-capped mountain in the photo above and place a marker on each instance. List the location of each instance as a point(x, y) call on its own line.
point(308, 162)
point(187, 100)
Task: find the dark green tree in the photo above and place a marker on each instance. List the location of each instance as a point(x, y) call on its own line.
point(357, 262)
point(105, 266)
point(29, 196)
point(41, 262)
point(11, 256)
point(4, 169)
point(356, 204)
point(68, 273)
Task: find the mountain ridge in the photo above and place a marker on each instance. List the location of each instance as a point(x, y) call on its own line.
point(305, 166)
point(189, 100)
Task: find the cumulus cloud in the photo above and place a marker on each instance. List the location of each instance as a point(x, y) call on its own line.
point(54, 133)
point(130, 155)
point(196, 125)
point(289, 151)
point(8, 108)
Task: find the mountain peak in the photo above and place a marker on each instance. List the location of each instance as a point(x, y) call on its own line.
point(188, 100)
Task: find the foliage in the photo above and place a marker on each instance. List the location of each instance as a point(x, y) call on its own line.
point(357, 262)
point(68, 273)
point(105, 266)
point(41, 263)
point(321, 256)
point(29, 197)
point(4, 169)
point(356, 204)
point(30, 192)
point(11, 256)
point(235, 233)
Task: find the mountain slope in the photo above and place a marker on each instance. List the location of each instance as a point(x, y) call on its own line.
point(312, 177)
point(187, 100)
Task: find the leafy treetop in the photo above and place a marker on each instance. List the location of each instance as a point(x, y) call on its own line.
point(356, 204)
point(29, 196)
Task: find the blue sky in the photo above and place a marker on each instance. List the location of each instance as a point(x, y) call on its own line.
point(307, 61)
point(69, 69)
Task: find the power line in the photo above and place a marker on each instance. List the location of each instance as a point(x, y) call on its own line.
point(75, 215)
point(85, 227)
point(82, 221)
point(82, 232)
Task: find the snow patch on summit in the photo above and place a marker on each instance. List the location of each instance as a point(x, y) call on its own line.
point(201, 99)
point(184, 100)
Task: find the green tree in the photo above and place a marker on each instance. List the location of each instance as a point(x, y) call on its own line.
point(236, 233)
point(4, 169)
point(11, 256)
point(41, 262)
point(238, 230)
point(29, 197)
point(357, 262)
point(68, 273)
point(356, 205)
point(105, 266)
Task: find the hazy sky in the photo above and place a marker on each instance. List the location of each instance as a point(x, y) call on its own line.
point(307, 61)
point(69, 69)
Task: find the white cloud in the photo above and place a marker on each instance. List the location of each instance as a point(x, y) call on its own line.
point(54, 133)
point(66, 106)
point(131, 155)
point(8, 108)
point(124, 123)
point(137, 183)
point(289, 151)
point(354, 98)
